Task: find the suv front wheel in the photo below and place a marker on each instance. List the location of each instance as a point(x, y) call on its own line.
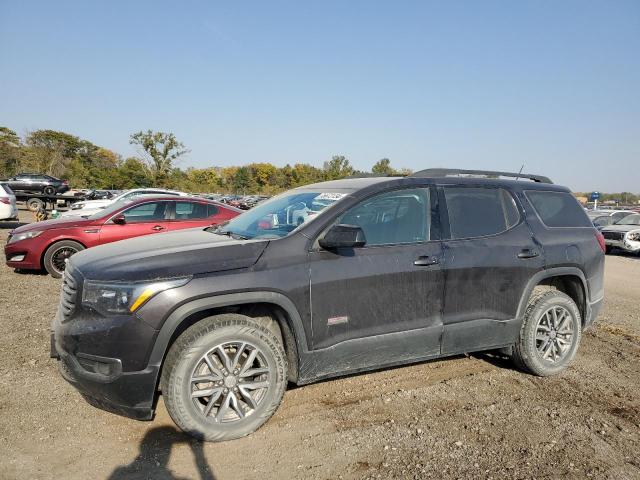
point(550, 333)
point(224, 377)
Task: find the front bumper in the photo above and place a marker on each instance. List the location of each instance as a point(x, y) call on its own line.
point(102, 383)
point(626, 245)
point(106, 357)
point(30, 256)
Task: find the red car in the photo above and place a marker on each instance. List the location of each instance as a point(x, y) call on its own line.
point(50, 243)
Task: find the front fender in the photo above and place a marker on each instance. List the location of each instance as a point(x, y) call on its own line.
point(184, 311)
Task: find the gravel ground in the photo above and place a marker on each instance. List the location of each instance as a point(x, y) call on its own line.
point(466, 417)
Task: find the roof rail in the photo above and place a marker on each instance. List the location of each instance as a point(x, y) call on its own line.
point(447, 172)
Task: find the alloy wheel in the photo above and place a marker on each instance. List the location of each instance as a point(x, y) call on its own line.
point(554, 334)
point(60, 257)
point(230, 381)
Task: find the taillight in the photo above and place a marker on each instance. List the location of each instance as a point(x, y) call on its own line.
point(5, 200)
point(600, 239)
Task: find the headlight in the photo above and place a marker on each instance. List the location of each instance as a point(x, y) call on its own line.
point(77, 206)
point(634, 236)
point(119, 298)
point(25, 236)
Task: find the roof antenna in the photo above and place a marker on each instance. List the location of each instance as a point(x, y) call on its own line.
point(520, 171)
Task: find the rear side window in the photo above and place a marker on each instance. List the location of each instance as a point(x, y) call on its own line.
point(479, 212)
point(191, 210)
point(212, 210)
point(558, 209)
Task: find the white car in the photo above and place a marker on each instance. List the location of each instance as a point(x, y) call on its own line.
point(89, 207)
point(624, 234)
point(8, 208)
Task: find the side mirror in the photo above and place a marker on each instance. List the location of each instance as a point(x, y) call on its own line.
point(119, 220)
point(343, 236)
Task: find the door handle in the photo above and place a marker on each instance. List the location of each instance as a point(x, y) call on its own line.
point(425, 261)
point(528, 253)
point(157, 228)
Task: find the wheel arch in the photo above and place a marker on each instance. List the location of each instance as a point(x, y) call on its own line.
point(569, 280)
point(253, 304)
point(53, 242)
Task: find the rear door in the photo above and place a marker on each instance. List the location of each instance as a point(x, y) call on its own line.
point(141, 219)
point(489, 256)
point(192, 213)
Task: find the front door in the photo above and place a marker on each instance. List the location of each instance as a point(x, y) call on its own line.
point(142, 219)
point(381, 303)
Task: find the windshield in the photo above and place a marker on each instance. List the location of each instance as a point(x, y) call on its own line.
point(279, 216)
point(107, 210)
point(629, 220)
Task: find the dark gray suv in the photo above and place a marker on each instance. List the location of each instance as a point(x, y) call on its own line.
point(326, 280)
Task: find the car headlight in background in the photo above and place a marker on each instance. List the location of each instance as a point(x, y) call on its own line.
point(122, 298)
point(24, 236)
point(634, 236)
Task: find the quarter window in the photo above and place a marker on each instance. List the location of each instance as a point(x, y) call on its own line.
point(558, 209)
point(479, 212)
point(401, 216)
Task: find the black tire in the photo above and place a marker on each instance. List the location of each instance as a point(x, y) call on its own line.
point(186, 359)
point(35, 204)
point(527, 351)
point(608, 249)
point(61, 250)
point(49, 190)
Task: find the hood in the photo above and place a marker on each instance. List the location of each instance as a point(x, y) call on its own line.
point(54, 223)
point(96, 203)
point(166, 255)
point(620, 228)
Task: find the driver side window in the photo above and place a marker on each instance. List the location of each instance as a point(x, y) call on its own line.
point(398, 217)
point(147, 212)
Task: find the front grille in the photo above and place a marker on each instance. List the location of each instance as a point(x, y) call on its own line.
point(68, 295)
point(613, 235)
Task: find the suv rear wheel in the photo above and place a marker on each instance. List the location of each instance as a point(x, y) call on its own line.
point(550, 333)
point(224, 377)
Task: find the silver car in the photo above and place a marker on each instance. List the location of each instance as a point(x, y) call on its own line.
point(625, 234)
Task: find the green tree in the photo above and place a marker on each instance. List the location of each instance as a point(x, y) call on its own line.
point(10, 152)
point(161, 150)
point(383, 167)
point(337, 167)
point(50, 151)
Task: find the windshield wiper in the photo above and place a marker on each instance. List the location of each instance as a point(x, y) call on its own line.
point(228, 233)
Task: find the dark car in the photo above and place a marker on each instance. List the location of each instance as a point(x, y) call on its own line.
point(392, 271)
point(36, 182)
point(51, 243)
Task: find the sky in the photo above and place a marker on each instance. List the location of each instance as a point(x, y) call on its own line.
point(551, 85)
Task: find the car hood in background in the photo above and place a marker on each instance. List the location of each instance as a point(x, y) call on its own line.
point(54, 223)
point(166, 255)
point(620, 228)
point(96, 203)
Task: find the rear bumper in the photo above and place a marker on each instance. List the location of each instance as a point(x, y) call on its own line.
point(593, 310)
